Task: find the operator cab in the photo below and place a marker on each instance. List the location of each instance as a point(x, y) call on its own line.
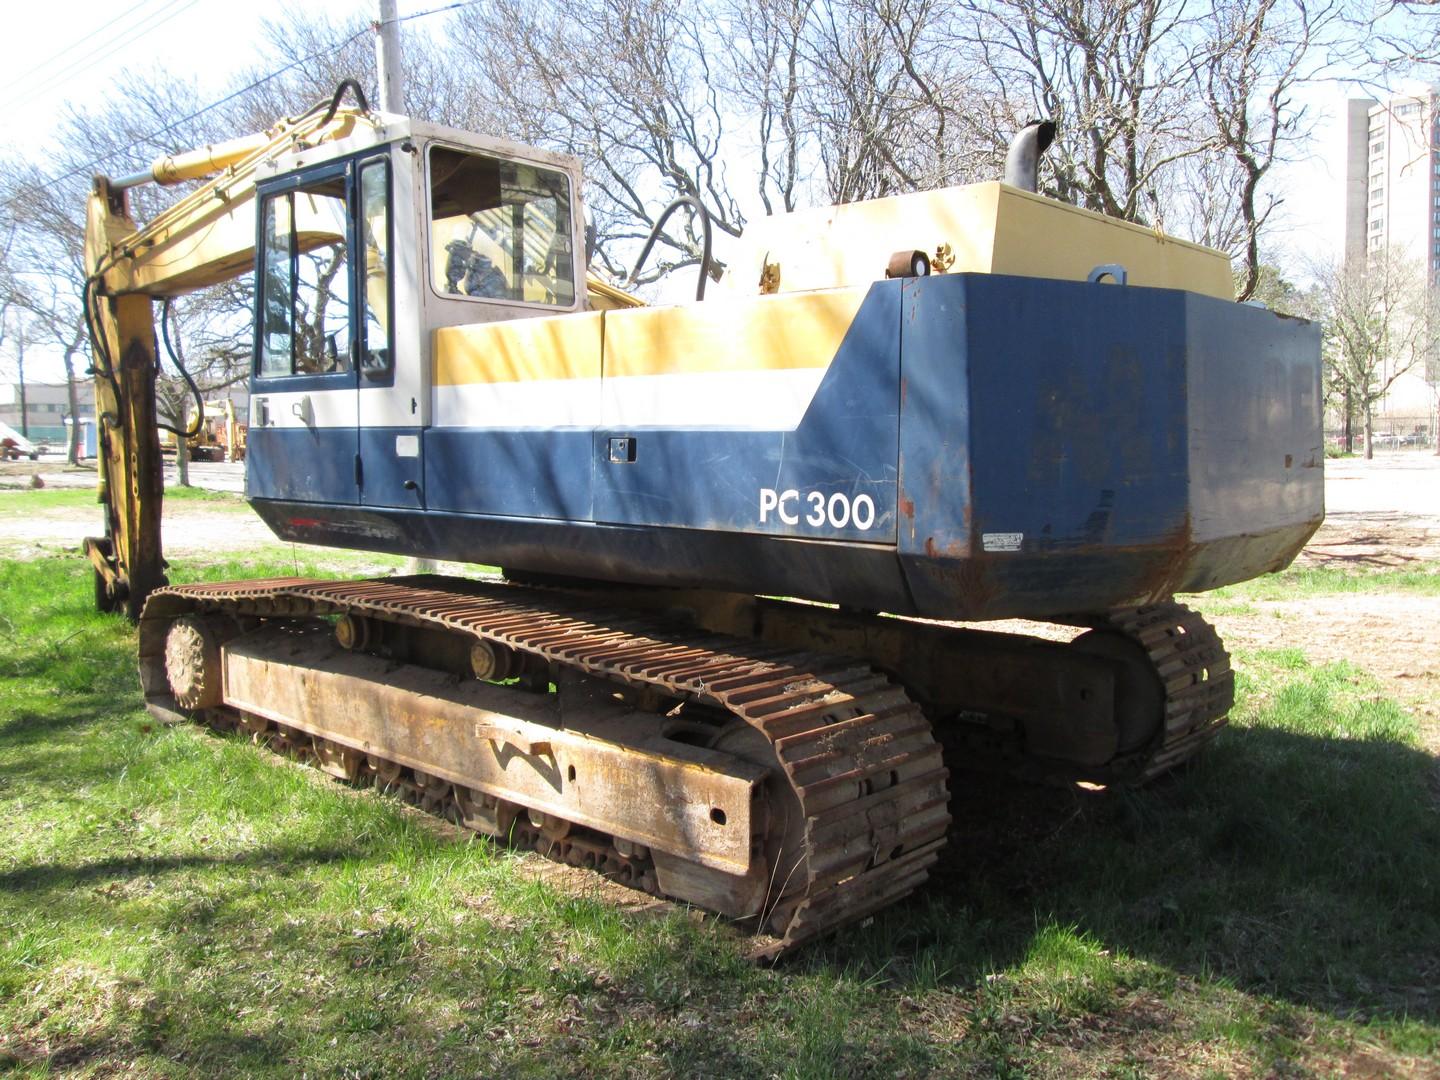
point(366, 246)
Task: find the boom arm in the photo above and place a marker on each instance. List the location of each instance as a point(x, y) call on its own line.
point(204, 239)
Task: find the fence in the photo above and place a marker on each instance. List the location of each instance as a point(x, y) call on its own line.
point(1391, 433)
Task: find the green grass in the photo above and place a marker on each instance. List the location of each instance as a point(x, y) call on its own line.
point(177, 903)
point(20, 503)
point(1302, 582)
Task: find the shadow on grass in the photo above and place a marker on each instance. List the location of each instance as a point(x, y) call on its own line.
point(54, 877)
point(1304, 868)
point(29, 727)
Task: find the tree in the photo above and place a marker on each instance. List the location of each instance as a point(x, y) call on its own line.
point(1114, 78)
point(1254, 55)
point(1381, 321)
point(18, 333)
point(1399, 36)
point(49, 276)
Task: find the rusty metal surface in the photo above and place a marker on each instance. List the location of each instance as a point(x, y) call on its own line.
point(618, 777)
point(1196, 689)
point(854, 755)
point(1194, 670)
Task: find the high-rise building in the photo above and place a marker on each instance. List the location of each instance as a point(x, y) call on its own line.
point(1392, 202)
point(1392, 191)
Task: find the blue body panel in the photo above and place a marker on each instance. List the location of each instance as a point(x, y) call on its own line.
point(386, 470)
point(846, 444)
point(1031, 448)
point(308, 464)
point(513, 473)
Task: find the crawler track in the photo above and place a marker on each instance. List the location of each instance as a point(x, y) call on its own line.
point(856, 752)
point(1193, 667)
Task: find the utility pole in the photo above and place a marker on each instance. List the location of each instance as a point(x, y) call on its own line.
point(389, 70)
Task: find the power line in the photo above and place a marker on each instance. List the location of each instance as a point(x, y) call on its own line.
point(108, 155)
point(106, 50)
point(73, 45)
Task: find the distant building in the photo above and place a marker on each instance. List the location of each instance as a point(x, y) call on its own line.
point(46, 407)
point(1392, 199)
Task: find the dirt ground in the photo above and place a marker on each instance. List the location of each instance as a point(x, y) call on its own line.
point(190, 528)
point(1381, 513)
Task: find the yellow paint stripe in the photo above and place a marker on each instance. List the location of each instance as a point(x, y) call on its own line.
point(769, 333)
point(797, 330)
point(521, 350)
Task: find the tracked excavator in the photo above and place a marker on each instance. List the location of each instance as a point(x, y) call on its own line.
point(737, 535)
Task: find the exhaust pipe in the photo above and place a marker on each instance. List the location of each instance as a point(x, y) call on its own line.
point(1022, 161)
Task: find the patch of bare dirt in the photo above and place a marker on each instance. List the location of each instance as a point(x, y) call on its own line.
point(1384, 512)
point(1393, 636)
point(188, 529)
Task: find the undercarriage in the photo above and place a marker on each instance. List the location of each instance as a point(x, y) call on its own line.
point(720, 750)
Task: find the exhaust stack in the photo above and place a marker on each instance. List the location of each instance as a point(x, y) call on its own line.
point(1022, 161)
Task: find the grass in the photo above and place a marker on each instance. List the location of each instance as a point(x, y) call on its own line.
point(1303, 582)
point(177, 903)
point(21, 503)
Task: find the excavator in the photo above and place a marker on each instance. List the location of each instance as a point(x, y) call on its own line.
point(724, 660)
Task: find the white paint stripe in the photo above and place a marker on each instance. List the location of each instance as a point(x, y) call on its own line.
point(327, 408)
point(538, 403)
point(733, 400)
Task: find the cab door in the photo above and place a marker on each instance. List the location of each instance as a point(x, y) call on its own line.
point(302, 443)
point(391, 417)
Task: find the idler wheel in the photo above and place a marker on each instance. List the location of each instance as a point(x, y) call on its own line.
point(192, 663)
point(1139, 694)
point(352, 632)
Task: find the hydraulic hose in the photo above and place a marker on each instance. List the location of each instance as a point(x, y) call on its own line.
point(180, 367)
point(699, 208)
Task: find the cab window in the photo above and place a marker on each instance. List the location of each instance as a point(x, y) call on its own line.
point(499, 230)
point(305, 282)
point(375, 247)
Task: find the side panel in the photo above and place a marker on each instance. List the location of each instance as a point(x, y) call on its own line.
point(777, 415)
point(302, 445)
point(392, 469)
point(1093, 446)
point(515, 404)
point(1256, 438)
point(1077, 420)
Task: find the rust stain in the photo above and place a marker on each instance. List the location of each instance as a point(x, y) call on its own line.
point(907, 506)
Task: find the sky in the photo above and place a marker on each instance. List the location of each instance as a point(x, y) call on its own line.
point(71, 50)
point(59, 51)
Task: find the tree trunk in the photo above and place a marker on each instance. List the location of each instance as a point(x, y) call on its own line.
point(182, 452)
point(1369, 433)
point(20, 369)
point(73, 453)
point(1349, 435)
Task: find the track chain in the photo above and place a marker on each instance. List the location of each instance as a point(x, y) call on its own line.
point(1190, 660)
point(856, 751)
